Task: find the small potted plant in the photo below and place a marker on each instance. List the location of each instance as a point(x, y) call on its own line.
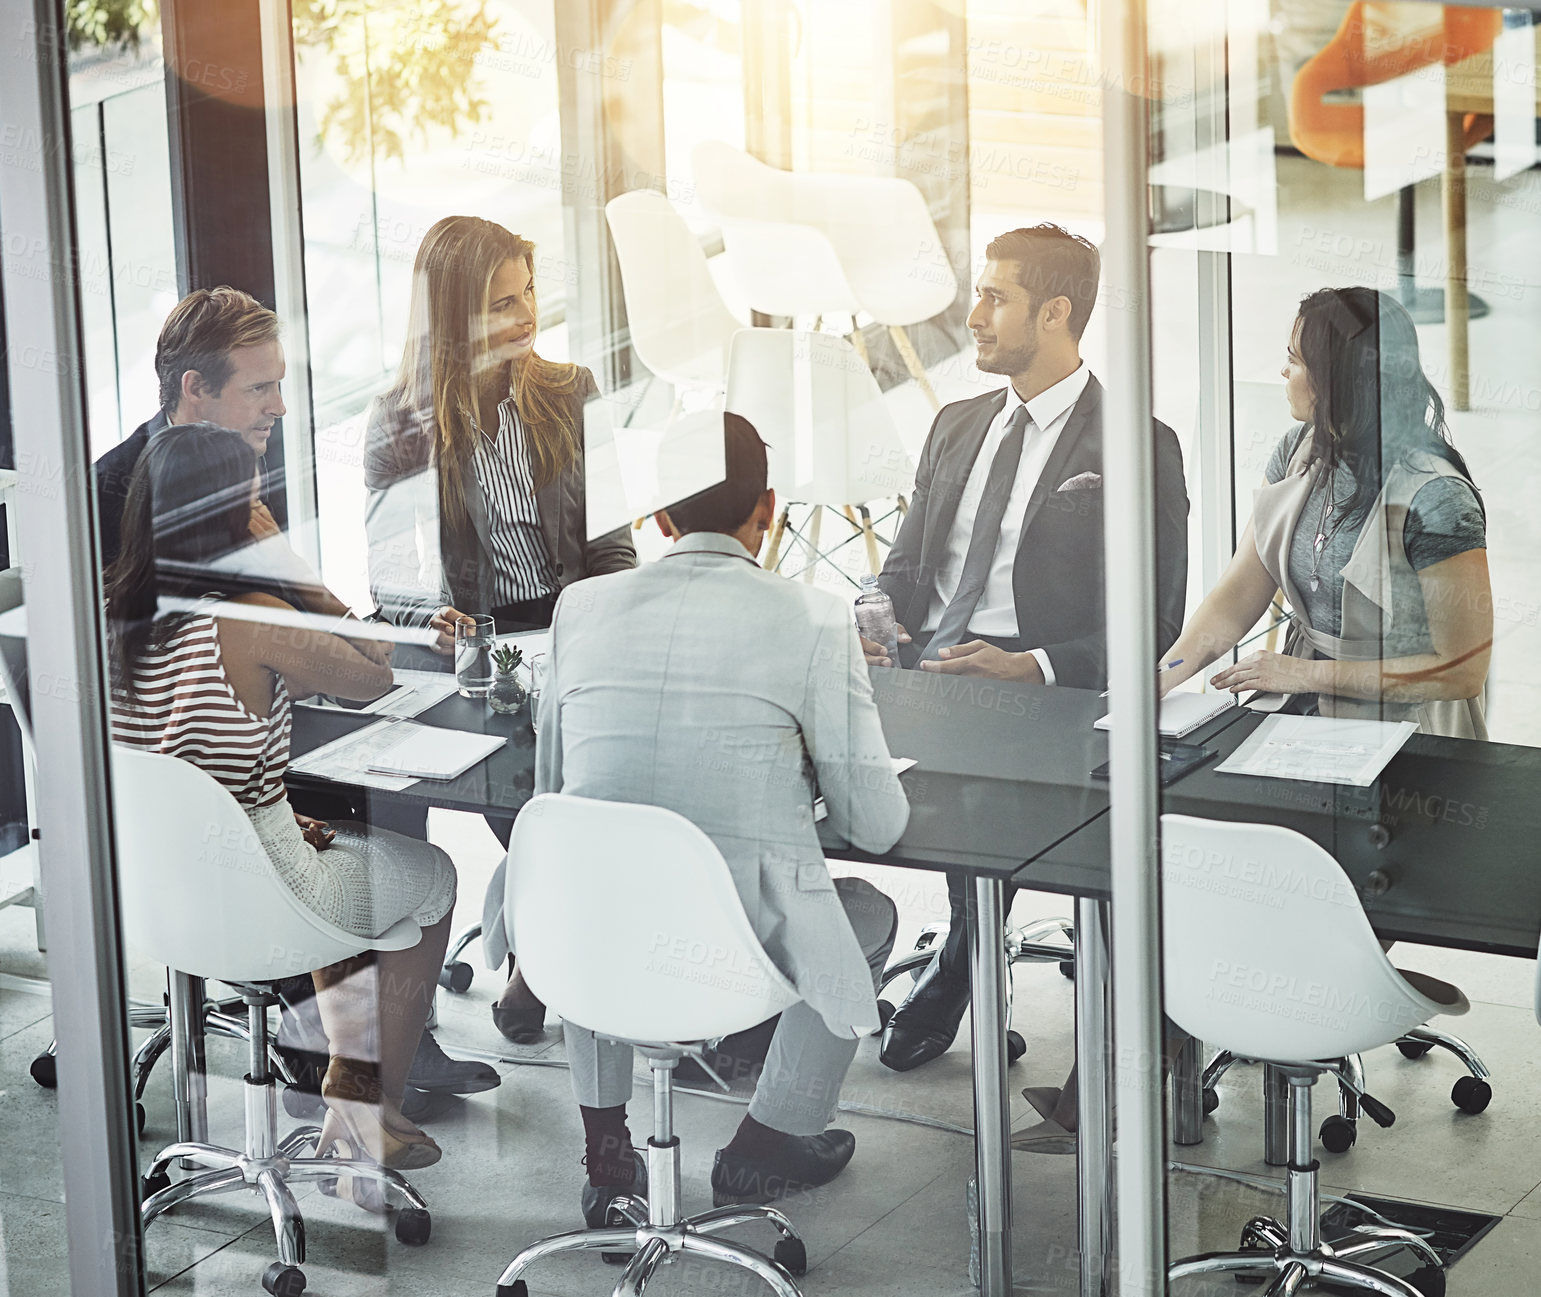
point(507, 694)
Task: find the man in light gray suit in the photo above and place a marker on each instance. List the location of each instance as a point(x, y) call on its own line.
point(704, 684)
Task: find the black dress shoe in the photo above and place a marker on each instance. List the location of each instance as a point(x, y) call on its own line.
point(434, 1070)
point(598, 1197)
point(519, 1026)
point(926, 1024)
point(807, 1162)
point(738, 1059)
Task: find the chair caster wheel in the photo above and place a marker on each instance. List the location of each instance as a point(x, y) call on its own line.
point(284, 1280)
point(791, 1255)
point(1067, 968)
point(302, 1103)
point(413, 1226)
point(1338, 1134)
point(516, 1289)
point(139, 1119)
point(1414, 1048)
point(150, 1185)
point(1211, 1100)
point(45, 1071)
point(456, 977)
point(1015, 1046)
point(1429, 1280)
point(1471, 1095)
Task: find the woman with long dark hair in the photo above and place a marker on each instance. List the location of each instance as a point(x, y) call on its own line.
point(205, 656)
point(474, 464)
point(1370, 524)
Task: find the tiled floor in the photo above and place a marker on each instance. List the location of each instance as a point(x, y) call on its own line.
point(894, 1223)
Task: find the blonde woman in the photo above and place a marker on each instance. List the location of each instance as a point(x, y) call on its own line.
point(474, 464)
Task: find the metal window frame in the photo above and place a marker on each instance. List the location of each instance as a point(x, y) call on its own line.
point(63, 588)
point(1129, 540)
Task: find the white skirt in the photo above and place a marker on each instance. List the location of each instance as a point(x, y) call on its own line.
point(367, 880)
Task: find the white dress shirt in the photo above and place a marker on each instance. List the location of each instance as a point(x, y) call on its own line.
point(996, 613)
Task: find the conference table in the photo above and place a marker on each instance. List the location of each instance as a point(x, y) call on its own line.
point(1003, 789)
point(1002, 775)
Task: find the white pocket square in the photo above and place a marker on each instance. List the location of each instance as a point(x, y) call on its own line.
point(1082, 482)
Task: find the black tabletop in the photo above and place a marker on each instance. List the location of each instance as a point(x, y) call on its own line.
point(1445, 846)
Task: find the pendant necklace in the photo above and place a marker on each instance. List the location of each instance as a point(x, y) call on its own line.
point(1323, 535)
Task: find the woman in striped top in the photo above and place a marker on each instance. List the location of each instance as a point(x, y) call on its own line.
point(474, 464)
point(204, 662)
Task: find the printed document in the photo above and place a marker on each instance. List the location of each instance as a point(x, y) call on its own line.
point(1319, 749)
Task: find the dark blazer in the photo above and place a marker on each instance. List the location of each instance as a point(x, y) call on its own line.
point(1058, 576)
point(408, 579)
point(111, 475)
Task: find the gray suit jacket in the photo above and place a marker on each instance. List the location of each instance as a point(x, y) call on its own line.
point(707, 685)
point(416, 568)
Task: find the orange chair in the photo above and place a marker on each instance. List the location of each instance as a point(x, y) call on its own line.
point(1366, 52)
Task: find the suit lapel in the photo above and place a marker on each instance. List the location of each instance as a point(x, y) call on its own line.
point(1085, 420)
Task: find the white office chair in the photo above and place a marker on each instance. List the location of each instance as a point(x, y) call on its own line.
point(19, 867)
point(681, 966)
point(200, 895)
point(802, 243)
point(1287, 972)
point(833, 442)
point(679, 325)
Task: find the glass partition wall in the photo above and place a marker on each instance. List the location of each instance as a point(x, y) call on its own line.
point(1271, 362)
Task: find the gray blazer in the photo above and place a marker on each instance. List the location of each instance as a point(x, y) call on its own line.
point(416, 568)
point(735, 697)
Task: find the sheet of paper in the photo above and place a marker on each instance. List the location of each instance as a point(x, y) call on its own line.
point(428, 752)
point(415, 693)
point(347, 759)
point(1319, 749)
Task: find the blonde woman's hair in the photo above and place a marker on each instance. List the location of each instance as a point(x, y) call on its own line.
point(447, 361)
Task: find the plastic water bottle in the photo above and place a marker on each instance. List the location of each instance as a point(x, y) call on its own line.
point(875, 617)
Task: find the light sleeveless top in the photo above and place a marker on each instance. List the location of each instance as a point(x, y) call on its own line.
point(185, 706)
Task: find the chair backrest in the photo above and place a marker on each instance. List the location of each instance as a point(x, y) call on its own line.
point(1373, 45)
point(198, 891)
point(1268, 952)
point(821, 242)
point(678, 322)
point(812, 398)
point(626, 921)
point(13, 660)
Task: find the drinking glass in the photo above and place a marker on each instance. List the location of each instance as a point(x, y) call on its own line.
point(473, 655)
point(537, 683)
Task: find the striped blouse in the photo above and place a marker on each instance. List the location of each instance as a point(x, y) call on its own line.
point(521, 564)
point(185, 707)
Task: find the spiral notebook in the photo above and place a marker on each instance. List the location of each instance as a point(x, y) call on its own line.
point(1183, 711)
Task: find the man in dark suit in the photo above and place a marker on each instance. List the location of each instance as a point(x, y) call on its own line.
point(998, 567)
point(218, 360)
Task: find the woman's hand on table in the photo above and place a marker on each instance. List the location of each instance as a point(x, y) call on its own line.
point(1272, 673)
point(444, 621)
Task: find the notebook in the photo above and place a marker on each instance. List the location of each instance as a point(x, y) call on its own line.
point(1183, 711)
point(428, 752)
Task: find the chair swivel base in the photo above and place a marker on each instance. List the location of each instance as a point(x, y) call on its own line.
point(656, 1229)
point(269, 1165)
point(1266, 1250)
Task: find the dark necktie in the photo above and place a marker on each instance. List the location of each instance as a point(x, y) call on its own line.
point(987, 534)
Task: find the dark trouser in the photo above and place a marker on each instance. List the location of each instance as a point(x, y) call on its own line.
point(960, 897)
point(960, 890)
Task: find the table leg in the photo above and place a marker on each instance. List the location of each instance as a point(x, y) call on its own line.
point(1453, 193)
point(189, 1084)
point(992, 1109)
point(1094, 1145)
point(1276, 1116)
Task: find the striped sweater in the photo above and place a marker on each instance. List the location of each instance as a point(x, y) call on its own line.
point(186, 707)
